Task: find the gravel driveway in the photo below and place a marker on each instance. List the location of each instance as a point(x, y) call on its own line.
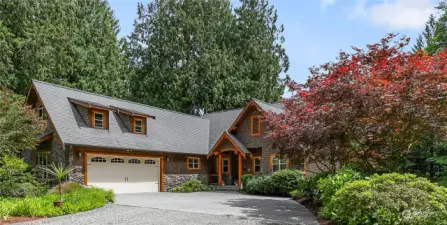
point(191, 208)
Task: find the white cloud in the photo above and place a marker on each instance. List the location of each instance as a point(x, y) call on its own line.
point(395, 14)
point(326, 3)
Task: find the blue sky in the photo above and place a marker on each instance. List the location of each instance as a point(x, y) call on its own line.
point(316, 30)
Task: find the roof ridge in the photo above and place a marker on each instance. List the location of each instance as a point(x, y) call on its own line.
point(227, 110)
point(91, 93)
point(270, 104)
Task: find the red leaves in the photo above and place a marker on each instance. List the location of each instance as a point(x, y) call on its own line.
point(369, 92)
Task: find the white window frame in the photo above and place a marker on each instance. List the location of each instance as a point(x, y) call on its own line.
point(257, 165)
point(136, 127)
point(45, 157)
point(280, 162)
point(98, 120)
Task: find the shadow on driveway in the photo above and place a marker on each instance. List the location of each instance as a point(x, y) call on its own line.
point(274, 209)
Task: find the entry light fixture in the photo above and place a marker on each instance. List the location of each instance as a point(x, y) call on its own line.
point(167, 158)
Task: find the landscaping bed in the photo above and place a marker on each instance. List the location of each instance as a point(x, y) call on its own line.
point(76, 199)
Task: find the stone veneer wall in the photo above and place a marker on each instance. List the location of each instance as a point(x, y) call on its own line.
point(173, 180)
point(77, 175)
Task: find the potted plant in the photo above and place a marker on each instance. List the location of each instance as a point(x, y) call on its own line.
point(59, 172)
point(222, 182)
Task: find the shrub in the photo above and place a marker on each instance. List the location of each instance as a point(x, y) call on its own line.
point(285, 181)
point(81, 199)
point(66, 188)
point(329, 185)
point(15, 181)
point(308, 187)
point(389, 199)
point(245, 178)
point(192, 186)
point(261, 185)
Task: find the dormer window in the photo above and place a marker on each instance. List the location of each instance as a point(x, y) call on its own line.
point(99, 119)
point(138, 125)
point(41, 111)
point(255, 127)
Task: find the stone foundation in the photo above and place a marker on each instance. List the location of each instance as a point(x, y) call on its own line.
point(173, 180)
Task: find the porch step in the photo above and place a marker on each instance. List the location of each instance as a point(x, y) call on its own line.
point(230, 188)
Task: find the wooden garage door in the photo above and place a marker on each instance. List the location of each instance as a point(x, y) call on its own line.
point(123, 174)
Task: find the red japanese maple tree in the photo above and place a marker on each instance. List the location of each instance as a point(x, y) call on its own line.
point(366, 108)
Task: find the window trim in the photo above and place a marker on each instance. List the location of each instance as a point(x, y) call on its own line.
point(104, 118)
point(279, 156)
point(229, 165)
point(254, 165)
point(143, 125)
point(192, 157)
point(252, 126)
point(102, 159)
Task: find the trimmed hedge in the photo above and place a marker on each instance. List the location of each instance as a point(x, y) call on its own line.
point(330, 184)
point(280, 183)
point(389, 199)
point(80, 199)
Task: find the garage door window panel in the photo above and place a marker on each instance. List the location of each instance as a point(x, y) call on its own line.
point(117, 160)
point(149, 161)
point(134, 161)
point(98, 159)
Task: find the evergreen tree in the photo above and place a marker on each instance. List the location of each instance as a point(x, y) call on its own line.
point(71, 43)
point(195, 55)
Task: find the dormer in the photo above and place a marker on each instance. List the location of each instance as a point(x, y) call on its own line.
point(94, 114)
point(136, 121)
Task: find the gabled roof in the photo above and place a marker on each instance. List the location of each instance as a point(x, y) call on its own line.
point(170, 132)
point(233, 140)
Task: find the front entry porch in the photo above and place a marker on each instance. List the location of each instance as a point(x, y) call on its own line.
point(226, 167)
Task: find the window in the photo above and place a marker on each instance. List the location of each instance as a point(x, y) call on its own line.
point(43, 159)
point(134, 161)
point(149, 161)
point(98, 159)
point(117, 160)
point(99, 119)
point(278, 163)
point(226, 165)
point(138, 126)
point(257, 164)
point(193, 163)
point(41, 111)
point(255, 126)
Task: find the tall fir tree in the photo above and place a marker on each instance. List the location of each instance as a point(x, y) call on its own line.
point(193, 55)
point(72, 43)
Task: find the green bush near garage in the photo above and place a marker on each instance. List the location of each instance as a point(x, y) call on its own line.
point(76, 199)
point(192, 186)
point(389, 199)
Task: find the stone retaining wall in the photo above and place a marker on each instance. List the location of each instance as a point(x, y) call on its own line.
point(173, 180)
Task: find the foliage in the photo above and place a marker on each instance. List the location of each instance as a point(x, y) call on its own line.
point(72, 43)
point(81, 199)
point(329, 185)
point(280, 183)
point(19, 124)
point(59, 172)
point(365, 109)
point(192, 186)
point(308, 187)
point(16, 181)
point(285, 181)
point(260, 185)
point(389, 199)
point(245, 178)
point(196, 55)
point(434, 37)
point(66, 187)
point(428, 158)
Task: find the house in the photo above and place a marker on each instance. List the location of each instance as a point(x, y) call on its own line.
point(132, 147)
